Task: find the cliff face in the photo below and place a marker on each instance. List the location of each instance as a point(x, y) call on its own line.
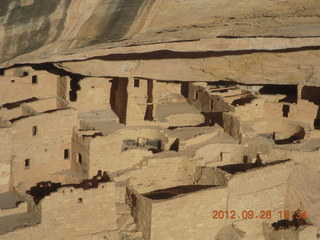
point(35, 31)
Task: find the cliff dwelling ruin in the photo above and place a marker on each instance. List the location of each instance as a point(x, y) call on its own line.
point(160, 120)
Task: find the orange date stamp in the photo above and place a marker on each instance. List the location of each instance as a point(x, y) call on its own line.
point(263, 214)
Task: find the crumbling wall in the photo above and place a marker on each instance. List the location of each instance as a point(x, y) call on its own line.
point(219, 153)
point(72, 213)
point(251, 111)
point(141, 208)
point(5, 158)
point(232, 125)
point(160, 173)
point(107, 152)
point(200, 98)
point(93, 95)
point(67, 209)
point(80, 159)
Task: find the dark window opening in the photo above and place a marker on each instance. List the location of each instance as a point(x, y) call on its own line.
point(1, 72)
point(115, 83)
point(245, 159)
point(285, 110)
point(79, 158)
point(34, 79)
point(13, 81)
point(24, 74)
point(149, 110)
point(312, 94)
point(136, 83)
point(185, 89)
point(34, 130)
point(74, 87)
point(291, 91)
point(175, 145)
point(66, 154)
point(80, 200)
point(317, 123)
point(195, 96)
point(27, 163)
point(211, 105)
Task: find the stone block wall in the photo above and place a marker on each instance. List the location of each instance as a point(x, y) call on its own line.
point(5, 158)
point(39, 143)
point(69, 208)
point(93, 95)
point(192, 213)
point(106, 152)
point(14, 88)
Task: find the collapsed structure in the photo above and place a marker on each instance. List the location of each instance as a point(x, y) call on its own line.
point(176, 153)
point(159, 120)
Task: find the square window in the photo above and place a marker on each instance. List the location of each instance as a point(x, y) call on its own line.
point(27, 163)
point(34, 130)
point(66, 154)
point(136, 83)
point(34, 79)
point(285, 110)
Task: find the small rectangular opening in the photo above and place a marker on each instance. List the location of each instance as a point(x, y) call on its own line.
point(79, 158)
point(66, 154)
point(211, 105)
point(245, 158)
point(24, 74)
point(34, 130)
point(136, 83)
point(1, 72)
point(27, 163)
point(285, 110)
point(80, 200)
point(13, 81)
point(34, 79)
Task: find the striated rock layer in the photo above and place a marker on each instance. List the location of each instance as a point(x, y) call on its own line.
point(36, 31)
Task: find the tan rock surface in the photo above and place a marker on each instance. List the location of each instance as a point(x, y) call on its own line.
point(257, 67)
point(42, 31)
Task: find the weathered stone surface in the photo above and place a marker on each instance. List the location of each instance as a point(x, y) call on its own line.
point(43, 30)
point(257, 67)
